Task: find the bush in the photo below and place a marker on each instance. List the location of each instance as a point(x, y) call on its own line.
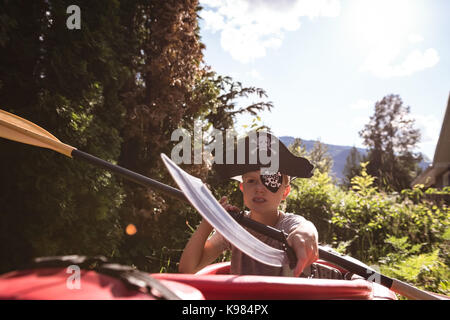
point(407, 233)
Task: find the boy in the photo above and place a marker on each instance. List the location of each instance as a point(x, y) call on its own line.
point(262, 194)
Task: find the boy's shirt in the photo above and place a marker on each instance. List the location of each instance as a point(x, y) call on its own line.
point(242, 264)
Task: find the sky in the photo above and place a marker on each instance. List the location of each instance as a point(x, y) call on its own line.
point(324, 64)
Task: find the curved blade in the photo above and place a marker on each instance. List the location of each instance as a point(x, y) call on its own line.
point(205, 203)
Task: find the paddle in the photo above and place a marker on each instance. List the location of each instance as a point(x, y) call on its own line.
point(17, 129)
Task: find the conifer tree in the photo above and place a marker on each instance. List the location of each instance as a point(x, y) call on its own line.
point(321, 159)
point(352, 166)
point(392, 138)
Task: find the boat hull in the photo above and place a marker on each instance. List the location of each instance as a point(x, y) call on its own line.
point(211, 283)
point(56, 284)
point(216, 283)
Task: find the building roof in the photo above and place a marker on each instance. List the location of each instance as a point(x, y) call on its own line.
point(441, 160)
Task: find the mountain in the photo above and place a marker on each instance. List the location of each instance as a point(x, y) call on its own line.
point(339, 155)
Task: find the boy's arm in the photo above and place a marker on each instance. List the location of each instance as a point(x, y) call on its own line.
point(304, 240)
point(199, 252)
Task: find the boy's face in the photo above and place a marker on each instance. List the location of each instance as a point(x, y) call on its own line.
point(257, 197)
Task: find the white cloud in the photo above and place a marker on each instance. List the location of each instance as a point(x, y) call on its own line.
point(415, 38)
point(211, 3)
point(249, 27)
point(417, 61)
point(361, 104)
point(389, 32)
point(359, 122)
point(381, 61)
point(255, 74)
point(360, 112)
point(214, 21)
point(429, 127)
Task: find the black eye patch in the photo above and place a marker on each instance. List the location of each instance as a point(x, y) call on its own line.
point(272, 182)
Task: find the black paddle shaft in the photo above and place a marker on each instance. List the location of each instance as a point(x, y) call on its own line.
point(324, 254)
point(147, 182)
point(130, 175)
point(240, 218)
point(268, 231)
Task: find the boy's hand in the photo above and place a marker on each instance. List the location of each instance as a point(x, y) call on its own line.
point(228, 207)
point(304, 241)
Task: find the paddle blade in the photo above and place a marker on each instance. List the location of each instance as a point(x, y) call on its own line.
point(17, 129)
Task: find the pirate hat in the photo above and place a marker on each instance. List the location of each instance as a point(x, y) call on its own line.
point(261, 150)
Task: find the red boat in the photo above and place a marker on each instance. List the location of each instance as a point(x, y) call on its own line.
point(51, 281)
point(54, 281)
point(216, 283)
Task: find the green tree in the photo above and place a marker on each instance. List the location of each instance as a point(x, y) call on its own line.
point(319, 155)
point(169, 89)
point(158, 98)
point(225, 109)
point(117, 88)
point(68, 82)
point(298, 148)
point(352, 167)
point(320, 158)
point(391, 138)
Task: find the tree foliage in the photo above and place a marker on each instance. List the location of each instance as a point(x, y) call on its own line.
point(318, 155)
point(395, 231)
point(298, 148)
point(391, 138)
point(67, 82)
point(158, 97)
point(320, 158)
point(352, 166)
point(116, 88)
